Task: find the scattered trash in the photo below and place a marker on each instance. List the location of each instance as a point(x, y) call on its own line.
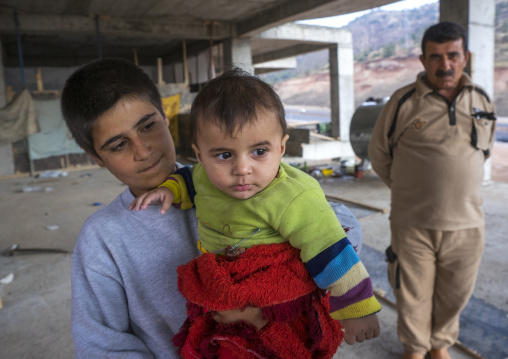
point(7, 279)
point(346, 167)
point(359, 171)
point(15, 249)
point(36, 189)
point(327, 171)
point(52, 174)
point(97, 204)
point(317, 174)
point(52, 228)
point(85, 175)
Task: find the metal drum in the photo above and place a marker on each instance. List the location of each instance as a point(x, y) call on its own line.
point(362, 124)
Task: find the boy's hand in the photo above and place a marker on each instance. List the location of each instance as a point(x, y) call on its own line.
point(252, 315)
point(161, 194)
point(360, 329)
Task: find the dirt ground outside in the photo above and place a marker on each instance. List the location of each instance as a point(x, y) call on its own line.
point(35, 318)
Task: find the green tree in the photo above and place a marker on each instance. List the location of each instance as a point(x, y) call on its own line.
point(389, 50)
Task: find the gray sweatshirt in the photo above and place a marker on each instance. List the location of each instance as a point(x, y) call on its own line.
point(125, 300)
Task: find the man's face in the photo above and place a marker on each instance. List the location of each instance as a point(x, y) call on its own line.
point(135, 145)
point(444, 64)
point(245, 164)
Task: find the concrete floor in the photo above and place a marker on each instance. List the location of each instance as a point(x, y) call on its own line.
point(35, 318)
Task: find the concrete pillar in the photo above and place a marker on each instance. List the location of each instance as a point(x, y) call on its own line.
point(341, 89)
point(6, 155)
point(237, 53)
point(3, 91)
point(478, 17)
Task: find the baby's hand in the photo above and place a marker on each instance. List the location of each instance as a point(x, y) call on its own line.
point(360, 329)
point(162, 194)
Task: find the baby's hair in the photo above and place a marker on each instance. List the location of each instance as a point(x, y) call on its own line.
point(232, 100)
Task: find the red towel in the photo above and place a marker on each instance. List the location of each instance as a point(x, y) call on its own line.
point(271, 277)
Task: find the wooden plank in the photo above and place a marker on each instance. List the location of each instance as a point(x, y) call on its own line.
point(356, 203)
point(294, 124)
point(159, 71)
point(323, 137)
point(38, 76)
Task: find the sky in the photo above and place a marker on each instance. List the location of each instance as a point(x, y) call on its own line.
point(343, 20)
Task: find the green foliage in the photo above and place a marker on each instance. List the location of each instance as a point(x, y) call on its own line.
point(389, 50)
point(504, 27)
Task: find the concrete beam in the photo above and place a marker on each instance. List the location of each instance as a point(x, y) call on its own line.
point(155, 29)
point(276, 65)
point(287, 52)
point(294, 10)
point(312, 34)
point(193, 48)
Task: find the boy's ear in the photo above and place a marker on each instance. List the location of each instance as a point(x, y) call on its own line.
point(196, 151)
point(283, 144)
point(96, 159)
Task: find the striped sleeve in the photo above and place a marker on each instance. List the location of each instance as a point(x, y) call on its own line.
point(176, 183)
point(339, 270)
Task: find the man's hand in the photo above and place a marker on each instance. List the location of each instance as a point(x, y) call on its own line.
point(162, 194)
point(360, 329)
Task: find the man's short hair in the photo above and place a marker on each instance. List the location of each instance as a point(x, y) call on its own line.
point(96, 88)
point(443, 32)
point(232, 100)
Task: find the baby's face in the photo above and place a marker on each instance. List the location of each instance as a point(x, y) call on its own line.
point(245, 164)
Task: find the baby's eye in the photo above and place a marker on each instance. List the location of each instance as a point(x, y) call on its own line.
point(223, 155)
point(260, 151)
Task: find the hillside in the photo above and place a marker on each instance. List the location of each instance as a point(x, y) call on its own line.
point(386, 47)
point(379, 78)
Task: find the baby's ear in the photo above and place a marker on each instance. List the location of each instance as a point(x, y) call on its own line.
point(283, 144)
point(196, 151)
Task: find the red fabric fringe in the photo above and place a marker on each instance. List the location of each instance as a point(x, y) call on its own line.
point(271, 277)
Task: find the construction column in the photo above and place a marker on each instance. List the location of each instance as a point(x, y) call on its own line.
point(478, 17)
point(341, 88)
point(6, 154)
point(237, 53)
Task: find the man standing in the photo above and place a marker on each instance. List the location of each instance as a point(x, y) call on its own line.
point(429, 146)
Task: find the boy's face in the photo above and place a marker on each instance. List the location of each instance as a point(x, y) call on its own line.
point(243, 165)
point(135, 145)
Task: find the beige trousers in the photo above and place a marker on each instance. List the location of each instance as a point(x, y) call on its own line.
point(436, 276)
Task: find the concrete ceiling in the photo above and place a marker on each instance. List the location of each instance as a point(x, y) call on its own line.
point(64, 32)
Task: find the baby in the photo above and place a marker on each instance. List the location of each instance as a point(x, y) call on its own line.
point(248, 200)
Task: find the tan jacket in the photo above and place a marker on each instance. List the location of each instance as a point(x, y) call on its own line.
point(431, 153)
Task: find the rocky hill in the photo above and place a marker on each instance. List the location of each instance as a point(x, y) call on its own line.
point(386, 47)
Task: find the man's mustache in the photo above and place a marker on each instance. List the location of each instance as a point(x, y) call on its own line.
point(441, 73)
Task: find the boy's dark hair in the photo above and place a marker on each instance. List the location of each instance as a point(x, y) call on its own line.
point(443, 32)
point(232, 100)
point(96, 88)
